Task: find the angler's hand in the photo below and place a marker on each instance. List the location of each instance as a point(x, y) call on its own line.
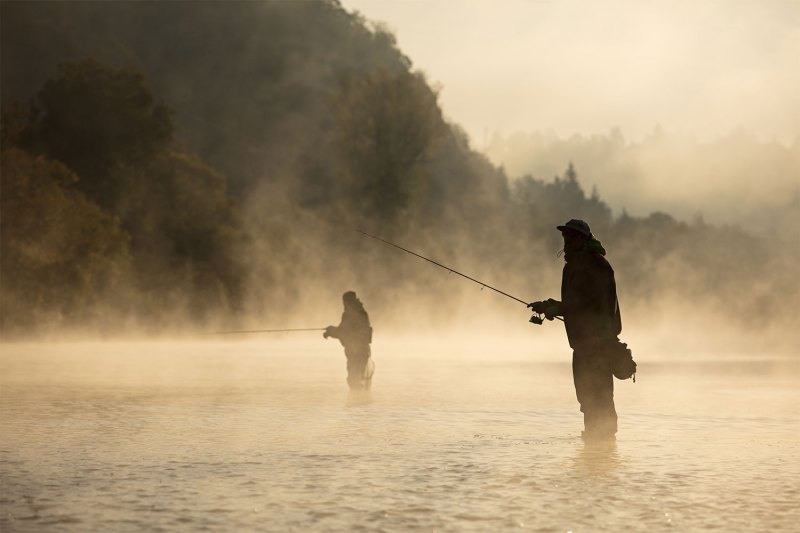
point(537, 307)
point(550, 308)
point(327, 332)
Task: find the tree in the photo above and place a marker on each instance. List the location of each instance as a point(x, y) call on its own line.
point(386, 124)
point(61, 254)
point(100, 121)
point(106, 158)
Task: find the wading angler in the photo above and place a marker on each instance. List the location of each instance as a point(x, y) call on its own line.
point(592, 319)
point(355, 333)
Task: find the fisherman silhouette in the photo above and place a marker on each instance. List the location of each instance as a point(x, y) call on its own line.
point(592, 320)
point(355, 334)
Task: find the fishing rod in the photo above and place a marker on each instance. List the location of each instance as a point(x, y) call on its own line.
point(263, 331)
point(536, 318)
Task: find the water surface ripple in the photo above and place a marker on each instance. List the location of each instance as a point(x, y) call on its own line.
point(262, 437)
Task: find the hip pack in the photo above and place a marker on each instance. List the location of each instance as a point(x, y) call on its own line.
point(622, 364)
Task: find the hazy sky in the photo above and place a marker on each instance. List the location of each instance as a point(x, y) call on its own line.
point(700, 67)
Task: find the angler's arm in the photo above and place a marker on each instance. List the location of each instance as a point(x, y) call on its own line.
point(337, 331)
point(550, 308)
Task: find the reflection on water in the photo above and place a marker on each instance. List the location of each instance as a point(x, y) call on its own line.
point(596, 458)
point(111, 437)
point(356, 398)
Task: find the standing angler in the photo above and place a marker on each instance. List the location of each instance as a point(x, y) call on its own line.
point(592, 319)
point(355, 334)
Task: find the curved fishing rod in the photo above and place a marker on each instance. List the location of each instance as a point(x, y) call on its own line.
point(263, 331)
point(482, 284)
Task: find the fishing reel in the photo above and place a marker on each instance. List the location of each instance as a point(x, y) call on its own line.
point(540, 310)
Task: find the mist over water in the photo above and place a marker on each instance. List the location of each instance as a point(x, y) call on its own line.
point(174, 170)
point(458, 434)
point(225, 193)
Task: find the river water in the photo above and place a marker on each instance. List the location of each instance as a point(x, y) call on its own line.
point(262, 435)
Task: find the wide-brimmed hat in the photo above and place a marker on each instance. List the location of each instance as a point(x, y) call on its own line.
point(577, 225)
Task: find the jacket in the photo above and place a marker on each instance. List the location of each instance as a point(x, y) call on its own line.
point(589, 300)
point(354, 329)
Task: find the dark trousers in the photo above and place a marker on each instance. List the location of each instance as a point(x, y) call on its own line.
point(357, 359)
point(594, 386)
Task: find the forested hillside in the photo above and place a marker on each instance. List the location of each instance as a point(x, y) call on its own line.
point(735, 178)
point(179, 164)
